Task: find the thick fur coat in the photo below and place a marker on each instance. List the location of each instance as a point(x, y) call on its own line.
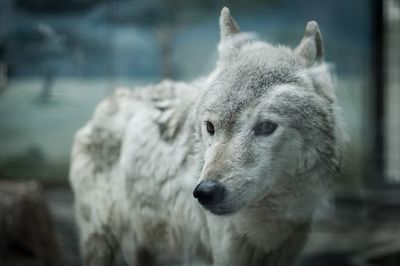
point(263, 126)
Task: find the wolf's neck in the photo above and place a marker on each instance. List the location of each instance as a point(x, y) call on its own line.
point(276, 218)
point(283, 254)
point(289, 251)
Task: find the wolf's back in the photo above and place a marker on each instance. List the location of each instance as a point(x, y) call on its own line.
point(131, 134)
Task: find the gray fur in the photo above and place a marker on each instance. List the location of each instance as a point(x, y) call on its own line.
point(227, 24)
point(311, 48)
point(154, 149)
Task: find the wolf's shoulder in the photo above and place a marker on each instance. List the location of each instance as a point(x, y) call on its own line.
point(164, 106)
point(168, 104)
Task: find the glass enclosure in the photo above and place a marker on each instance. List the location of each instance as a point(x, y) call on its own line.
point(58, 59)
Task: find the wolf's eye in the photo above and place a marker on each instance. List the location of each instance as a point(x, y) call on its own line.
point(264, 128)
point(210, 128)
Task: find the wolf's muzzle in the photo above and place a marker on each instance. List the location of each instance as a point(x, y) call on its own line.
point(209, 193)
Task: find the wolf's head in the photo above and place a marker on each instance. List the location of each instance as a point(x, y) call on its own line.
point(266, 123)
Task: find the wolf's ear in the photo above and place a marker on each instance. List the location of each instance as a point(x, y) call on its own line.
point(311, 48)
point(227, 24)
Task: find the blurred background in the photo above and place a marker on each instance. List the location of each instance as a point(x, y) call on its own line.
point(59, 58)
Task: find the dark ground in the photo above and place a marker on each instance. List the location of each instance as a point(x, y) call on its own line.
point(60, 202)
point(362, 227)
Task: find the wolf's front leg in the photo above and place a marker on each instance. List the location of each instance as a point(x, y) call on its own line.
point(103, 249)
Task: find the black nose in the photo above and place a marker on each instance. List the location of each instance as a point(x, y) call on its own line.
point(209, 193)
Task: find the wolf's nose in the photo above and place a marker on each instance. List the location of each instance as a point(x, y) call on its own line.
point(209, 193)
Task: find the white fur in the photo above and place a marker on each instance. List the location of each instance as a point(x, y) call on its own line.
point(135, 164)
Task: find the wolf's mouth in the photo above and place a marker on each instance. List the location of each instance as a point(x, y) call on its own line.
point(220, 210)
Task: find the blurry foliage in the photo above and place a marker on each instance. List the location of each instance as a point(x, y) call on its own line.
point(91, 37)
point(147, 40)
point(56, 6)
point(148, 12)
point(166, 12)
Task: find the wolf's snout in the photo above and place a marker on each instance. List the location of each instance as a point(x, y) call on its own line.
point(209, 193)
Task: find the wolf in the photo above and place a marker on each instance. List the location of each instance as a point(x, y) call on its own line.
point(228, 168)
